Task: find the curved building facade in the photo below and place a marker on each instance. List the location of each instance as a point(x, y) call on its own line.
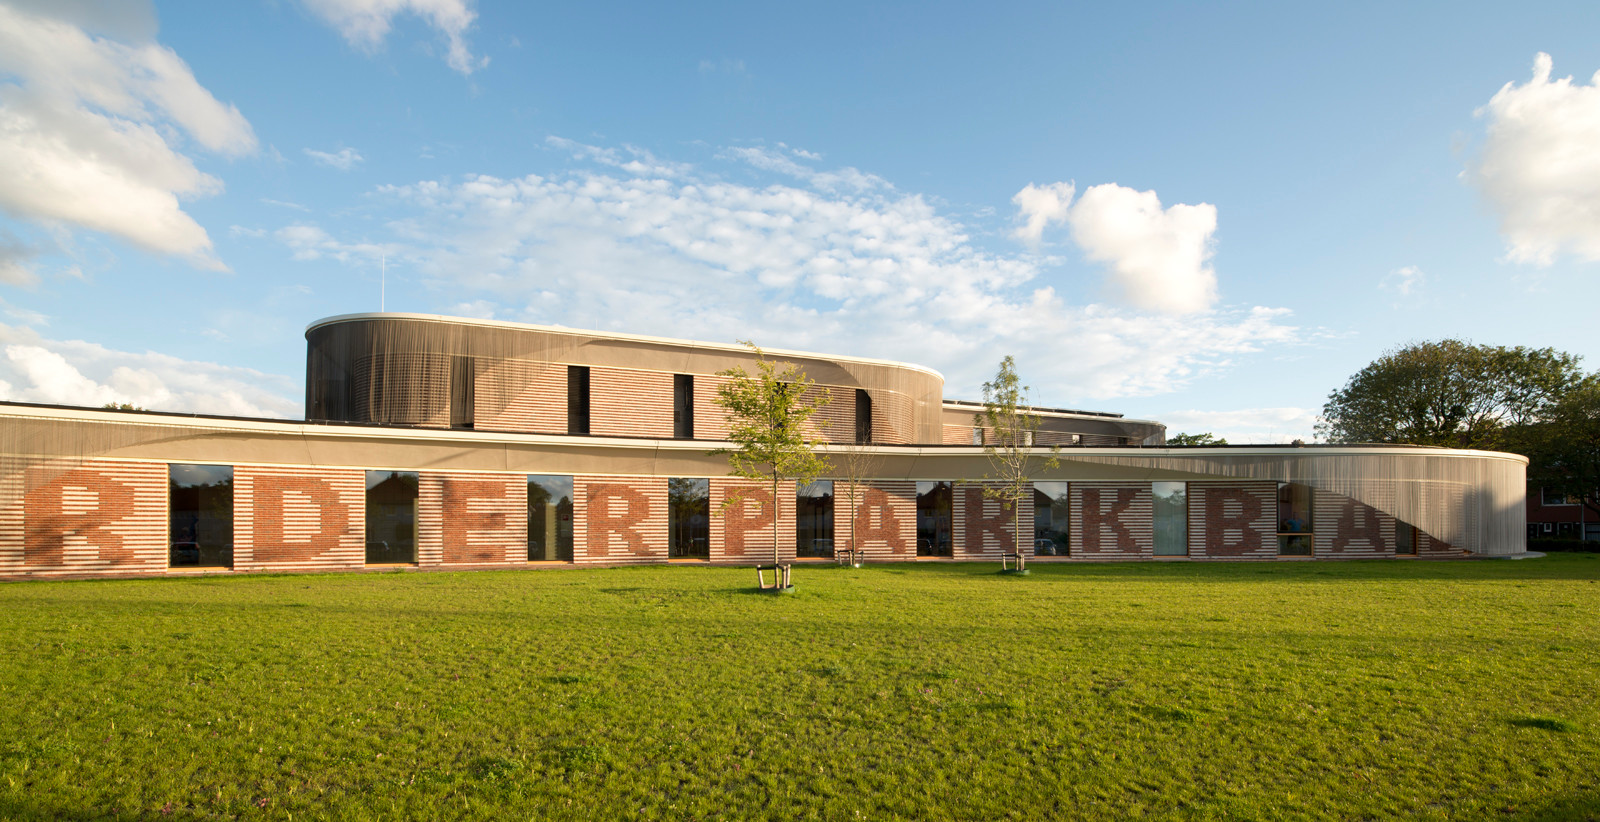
point(441, 442)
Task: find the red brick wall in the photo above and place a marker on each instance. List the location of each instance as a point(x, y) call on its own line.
point(1233, 520)
point(100, 516)
point(984, 527)
point(742, 532)
point(517, 395)
point(957, 435)
point(1112, 520)
point(619, 519)
point(298, 519)
point(885, 525)
point(630, 403)
point(472, 519)
point(1347, 529)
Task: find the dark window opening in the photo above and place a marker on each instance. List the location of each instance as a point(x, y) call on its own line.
point(934, 522)
point(462, 392)
point(1405, 538)
point(1050, 519)
point(200, 504)
point(1295, 537)
point(549, 518)
point(577, 399)
point(688, 517)
point(863, 417)
point(391, 517)
point(683, 406)
point(814, 519)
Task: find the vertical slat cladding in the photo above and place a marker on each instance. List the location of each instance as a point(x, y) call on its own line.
point(885, 524)
point(1112, 520)
point(98, 516)
point(984, 527)
point(742, 532)
point(619, 519)
point(710, 420)
point(472, 519)
point(1347, 529)
point(835, 419)
point(519, 395)
point(298, 519)
point(1233, 520)
point(624, 402)
point(894, 419)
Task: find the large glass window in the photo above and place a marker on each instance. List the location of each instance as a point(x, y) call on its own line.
point(200, 502)
point(934, 535)
point(1405, 538)
point(549, 518)
point(814, 519)
point(391, 517)
point(577, 399)
point(863, 417)
point(1294, 520)
point(463, 392)
point(689, 517)
point(683, 406)
point(1171, 518)
point(1050, 519)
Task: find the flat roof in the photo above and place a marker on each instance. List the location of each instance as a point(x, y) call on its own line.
point(612, 335)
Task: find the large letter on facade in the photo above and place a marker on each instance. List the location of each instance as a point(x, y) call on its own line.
point(1221, 525)
point(736, 523)
point(79, 503)
point(603, 523)
point(876, 500)
point(461, 521)
point(296, 519)
point(1098, 519)
point(978, 526)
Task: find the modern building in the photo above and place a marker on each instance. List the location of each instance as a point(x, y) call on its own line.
point(445, 442)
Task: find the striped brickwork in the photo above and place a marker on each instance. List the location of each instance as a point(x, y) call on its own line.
point(1111, 520)
point(619, 519)
point(519, 395)
point(1233, 520)
point(298, 519)
point(741, 531)
point(1347, 529)
point(885, 527)
point(893, 417)
point(98, 516)
point(984, 527)
point(472, 519)
point(629, 403)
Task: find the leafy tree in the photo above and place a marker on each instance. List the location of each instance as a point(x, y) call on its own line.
point(127, 406)
point(1448, 393)
point(1006, 412)
point(767, 412)
point(1563, 449)
point(1195, 439)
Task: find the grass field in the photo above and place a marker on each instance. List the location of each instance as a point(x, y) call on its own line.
point(1432, 690)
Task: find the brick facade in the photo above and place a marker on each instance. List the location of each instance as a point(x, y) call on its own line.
point(1233, 521)
point(885, 525)
point(1112, 520)
point(298, 519)
point(742, 531)
point(984, 527)
point(619, 519)
point(100, 516)
point(630, 403)
point(472, 519)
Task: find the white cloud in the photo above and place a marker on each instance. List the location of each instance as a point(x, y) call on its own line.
point(15, 265)
point(1404, 281)
point(1159, 259)
point(782, 160)
point(74, 372)
point(1245, 426)
point(1039, 206)
point(1540, 168)
point(684, 253)
point(89, 129)
point(365, 23)
point(344, 160)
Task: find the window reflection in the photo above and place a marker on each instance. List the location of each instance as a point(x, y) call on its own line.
point(814, 519)
point(200, 526)
point(549, 518)
point(1050, 519)
point(1171, 518)
point(391, 517)
point(934, 537)
point(689, 517)
point(1294, 520)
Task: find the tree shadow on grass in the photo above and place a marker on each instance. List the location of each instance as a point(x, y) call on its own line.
point(1585, 808)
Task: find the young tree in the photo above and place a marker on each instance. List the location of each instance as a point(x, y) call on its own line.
point(1195, 439)
point(767, 413)
point(854, 462)
point(1006, 413)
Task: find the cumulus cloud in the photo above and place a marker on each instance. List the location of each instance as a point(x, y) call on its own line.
point(1039, 206)
point(1158, 259)
point(74, 372)
point(344, 159)
point(90, 129)
point(365, 23)
point(1404, 281)
point(1245, 426)
point(683, 252)
point(1539, 166)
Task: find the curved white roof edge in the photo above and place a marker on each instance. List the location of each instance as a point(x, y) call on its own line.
point(303, 427)
point(613, 335)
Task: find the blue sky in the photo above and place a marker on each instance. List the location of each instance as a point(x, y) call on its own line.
point(1206, 215)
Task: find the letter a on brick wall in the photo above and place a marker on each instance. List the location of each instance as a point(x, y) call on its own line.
point(77, 503)
point(1098, 519)
point(605, 518)
point(875, 505)
point(1356, 524)
point(735, 521)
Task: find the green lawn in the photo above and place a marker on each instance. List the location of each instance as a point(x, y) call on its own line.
point(1434, 690)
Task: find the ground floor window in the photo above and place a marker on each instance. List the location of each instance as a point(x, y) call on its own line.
point(1295, 537)
point(934, 505)
point(549, 518)
point(1171, 518)
point(689, 517)
point(814, 519)
point(200, 524)
point(391, 517)
point(1050, 519)
point(1405, 538)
